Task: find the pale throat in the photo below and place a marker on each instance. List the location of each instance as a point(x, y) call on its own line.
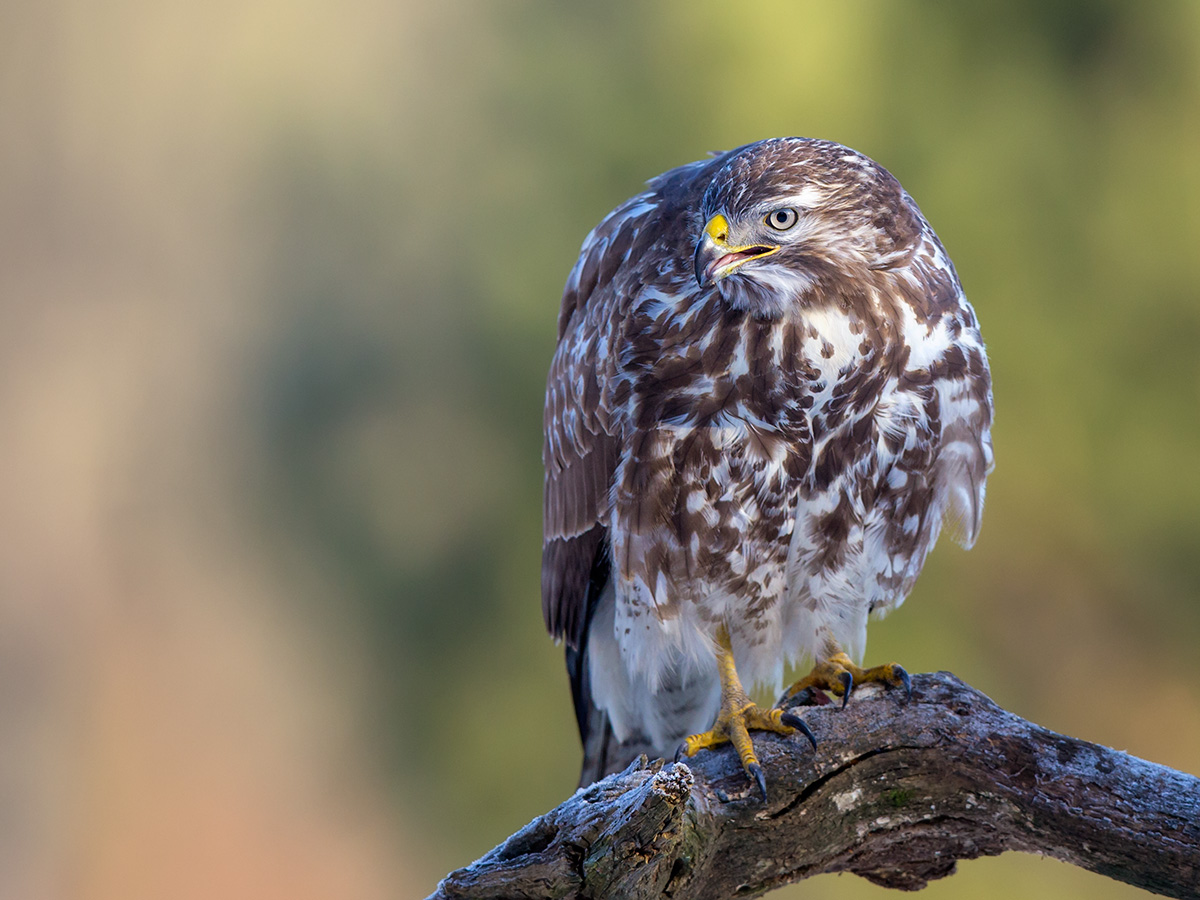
point(768, 290)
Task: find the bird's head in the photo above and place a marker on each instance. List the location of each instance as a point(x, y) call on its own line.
point(784, 221)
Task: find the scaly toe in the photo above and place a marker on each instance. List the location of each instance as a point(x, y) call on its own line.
point(891, 675)
point(694, 743)
point(735, 724)
point(840, 676)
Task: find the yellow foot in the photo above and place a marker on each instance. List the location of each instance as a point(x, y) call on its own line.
point(839, 675)
point(738, 716)
point(733, 725)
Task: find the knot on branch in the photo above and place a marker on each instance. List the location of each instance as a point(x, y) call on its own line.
point(673, 783)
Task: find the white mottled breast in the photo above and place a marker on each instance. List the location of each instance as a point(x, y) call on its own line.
point(940, 423)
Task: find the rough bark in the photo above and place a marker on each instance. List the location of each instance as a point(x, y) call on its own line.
point(896, 792)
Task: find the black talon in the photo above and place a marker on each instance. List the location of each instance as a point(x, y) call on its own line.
point(756, 770)
point(800, 725)
point(847, 681)
point(905, 680)
point(679, 751)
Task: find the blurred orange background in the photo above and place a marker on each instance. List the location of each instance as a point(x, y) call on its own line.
point(278, 285)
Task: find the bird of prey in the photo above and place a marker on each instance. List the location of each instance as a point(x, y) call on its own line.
point(768, 396)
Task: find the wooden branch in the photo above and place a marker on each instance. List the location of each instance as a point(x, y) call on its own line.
point(896, 792)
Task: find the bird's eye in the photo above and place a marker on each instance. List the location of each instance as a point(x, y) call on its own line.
point(782, 219)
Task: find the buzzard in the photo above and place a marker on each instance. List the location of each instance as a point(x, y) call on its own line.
point(768, 396)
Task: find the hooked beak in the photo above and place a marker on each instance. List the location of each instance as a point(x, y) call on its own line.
point(715, 257)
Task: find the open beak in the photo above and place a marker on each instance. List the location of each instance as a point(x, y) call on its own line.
point(715, 257)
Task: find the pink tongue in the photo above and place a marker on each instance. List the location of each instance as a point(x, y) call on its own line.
point(727, 259)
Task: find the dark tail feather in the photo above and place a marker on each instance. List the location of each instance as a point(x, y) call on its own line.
point(603, 754)
point(595, 731)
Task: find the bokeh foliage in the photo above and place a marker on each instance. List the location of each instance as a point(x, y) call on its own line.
point(1055, 146)
point(401, 190)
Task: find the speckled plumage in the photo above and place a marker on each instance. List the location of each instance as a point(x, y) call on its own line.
point(775, 451)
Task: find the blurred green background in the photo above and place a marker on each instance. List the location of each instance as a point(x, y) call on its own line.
point(278, 284)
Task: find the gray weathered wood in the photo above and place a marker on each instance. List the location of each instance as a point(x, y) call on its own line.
point(896, 792)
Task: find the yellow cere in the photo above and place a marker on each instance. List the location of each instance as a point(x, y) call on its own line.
point(717, 228)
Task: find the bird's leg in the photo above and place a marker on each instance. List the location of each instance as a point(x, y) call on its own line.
point(835, 672)
point(738, 715)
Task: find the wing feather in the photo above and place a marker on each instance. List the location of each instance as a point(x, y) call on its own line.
point(581, 442)
point(634, 245)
